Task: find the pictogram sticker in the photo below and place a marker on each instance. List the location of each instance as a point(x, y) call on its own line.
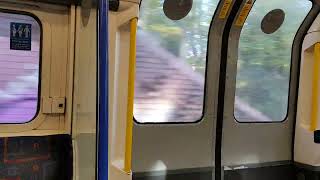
point(20, 36)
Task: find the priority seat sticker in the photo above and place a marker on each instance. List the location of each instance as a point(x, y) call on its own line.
point(20, 36)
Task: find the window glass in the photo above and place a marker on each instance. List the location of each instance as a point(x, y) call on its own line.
point(265, 58)
point(171, 60)
point(19, 67)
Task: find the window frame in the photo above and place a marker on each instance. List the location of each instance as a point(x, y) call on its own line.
point(290, 87)
point(36, 18)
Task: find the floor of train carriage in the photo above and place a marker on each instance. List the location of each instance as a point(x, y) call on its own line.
point(280, 172)
point(36, 158)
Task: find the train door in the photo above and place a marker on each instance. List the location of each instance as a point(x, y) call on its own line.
point(258, 89)
point(36, 62)
point(177, 72)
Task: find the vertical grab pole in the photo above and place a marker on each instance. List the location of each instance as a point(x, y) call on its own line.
point(103, 130)
point(315, 88)
point(131, 79)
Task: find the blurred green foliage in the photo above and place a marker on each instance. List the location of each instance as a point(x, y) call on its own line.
point(264, 60)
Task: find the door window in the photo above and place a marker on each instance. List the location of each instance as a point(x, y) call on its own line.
point(171, 60)
point(264, 63)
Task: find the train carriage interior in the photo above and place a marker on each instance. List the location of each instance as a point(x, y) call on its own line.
point(159, 90)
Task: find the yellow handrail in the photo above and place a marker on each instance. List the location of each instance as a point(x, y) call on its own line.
point(315, 88)
point(132, 66)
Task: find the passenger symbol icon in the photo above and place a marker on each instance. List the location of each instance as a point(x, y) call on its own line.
point(20, 31)
point(14, 30)
point(27, 31)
